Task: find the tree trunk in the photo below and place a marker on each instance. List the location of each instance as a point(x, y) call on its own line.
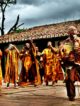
point(3, 19)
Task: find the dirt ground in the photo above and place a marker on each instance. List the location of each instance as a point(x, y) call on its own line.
point(38, 96)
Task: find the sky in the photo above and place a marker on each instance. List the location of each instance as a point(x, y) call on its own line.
point(40, 12)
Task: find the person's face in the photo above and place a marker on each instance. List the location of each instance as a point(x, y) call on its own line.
point(76, 45)
point(72, 31)
point(27, 45)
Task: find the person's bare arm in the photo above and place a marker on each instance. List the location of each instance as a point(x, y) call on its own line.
point(32, 44)
point(16, 49)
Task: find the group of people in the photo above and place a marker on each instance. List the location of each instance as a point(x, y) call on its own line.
point(36, 66)
point(48, 65)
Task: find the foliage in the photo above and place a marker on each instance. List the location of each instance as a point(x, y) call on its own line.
point(20, 30)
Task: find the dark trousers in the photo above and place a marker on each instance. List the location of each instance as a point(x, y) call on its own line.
point(70, 89)
point(71, 78)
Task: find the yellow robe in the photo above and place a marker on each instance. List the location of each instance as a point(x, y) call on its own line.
point(49, 64)
point(58, 68)
point(0, 69)
point(28, 66)
point(11, 70)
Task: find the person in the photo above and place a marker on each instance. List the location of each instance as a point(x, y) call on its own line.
point(49, 63)
point(37, 64)
point(58, 67)
point(70, 49)
point(40, 64)
point(25, 57)
point(11, 70)
point(0, 70)
point(30, 69)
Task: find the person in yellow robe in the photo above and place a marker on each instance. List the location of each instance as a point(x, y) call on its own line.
point(38, 67)
point(11, 70)
point(0, 69)
point(58, 67)
point(39, 58)
point(0, 72)
point(49, 63)
point(25, 57)
point(30, 68)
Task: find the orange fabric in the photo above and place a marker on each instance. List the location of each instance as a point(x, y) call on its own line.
point(11, 70)
point(52, 65)
point(37, 77)
point(38, 81)
point(49, 66)
point(26, 65)
point(29, 66)
point(27, 62)
point(59, 71)
point(59, 75)
point(0, 68)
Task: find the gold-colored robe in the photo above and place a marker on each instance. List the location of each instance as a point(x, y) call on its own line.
point(49, 64)
point(58, 68)
point(0, 68)
point(31, 66)
point(11, 70)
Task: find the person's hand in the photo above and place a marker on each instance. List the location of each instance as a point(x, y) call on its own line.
point(30, 40)
point(49, 44)
point(10, 46)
